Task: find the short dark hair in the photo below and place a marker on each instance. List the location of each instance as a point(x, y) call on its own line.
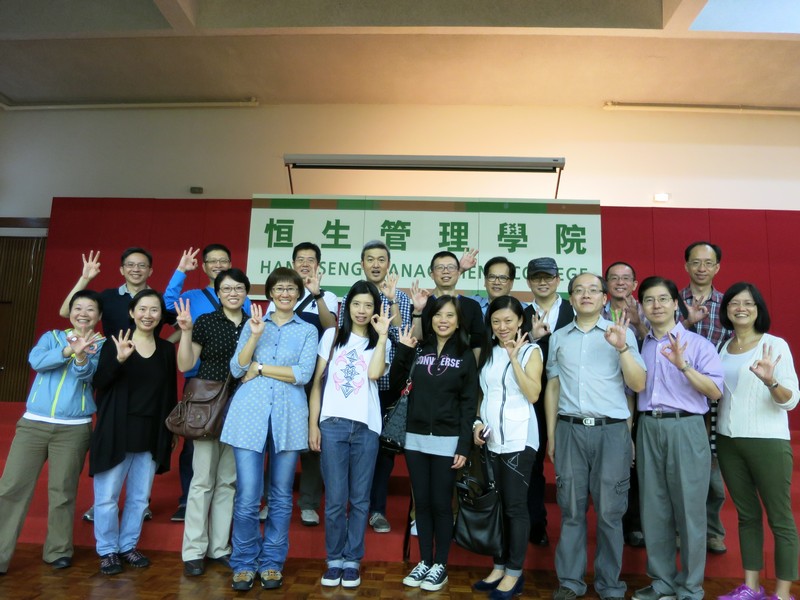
point(307, 246)
point(602, 281)
point(89, 295)
point(498, 260)
point(618, 263)
point(283, 274)
point(236, 274)
point(211, 247)
point(135, 250)
point(146, 293)
point(655, 281)
point(717, 250)
point(375, 245)
point(442, 254)
point(763, 321)
point(461, 335)
point(489, 341)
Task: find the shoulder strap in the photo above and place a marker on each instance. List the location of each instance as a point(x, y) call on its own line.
point(306, 301)
point(210, 296)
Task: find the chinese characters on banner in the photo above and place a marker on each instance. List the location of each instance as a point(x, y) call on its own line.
point(416, 228)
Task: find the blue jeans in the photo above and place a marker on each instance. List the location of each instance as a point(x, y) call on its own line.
point(251, 550)
point(347, 461)
point(110, 534)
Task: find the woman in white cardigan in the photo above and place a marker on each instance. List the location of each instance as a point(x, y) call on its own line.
point(753, 446)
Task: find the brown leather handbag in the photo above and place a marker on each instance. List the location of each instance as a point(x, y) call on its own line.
point(200, 415)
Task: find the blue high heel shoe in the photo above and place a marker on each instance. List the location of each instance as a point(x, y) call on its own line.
point(515, 591)
point(486, 586)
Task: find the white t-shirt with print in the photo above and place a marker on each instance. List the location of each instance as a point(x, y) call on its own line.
point(349, 393)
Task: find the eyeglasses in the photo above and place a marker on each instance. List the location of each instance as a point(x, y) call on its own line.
point(662, 300)
point(284, 290)
point(543, 277)
point(500, 278)
point(592, 291)
point(133, 265)
point(229, 289)
point(748, 304)
point(708, 264)
point(626, 278)
point(218, 261)
point(305, 260)
point(445, 268)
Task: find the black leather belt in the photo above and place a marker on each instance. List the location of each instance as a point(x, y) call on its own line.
point(678, 414)
point(590, 421)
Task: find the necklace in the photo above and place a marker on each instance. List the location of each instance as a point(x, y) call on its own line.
point(740, 344)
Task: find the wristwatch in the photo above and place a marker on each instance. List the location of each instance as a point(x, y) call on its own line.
point(319, 296)
point(260, 367)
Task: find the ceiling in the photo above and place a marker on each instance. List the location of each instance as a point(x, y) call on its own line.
point(480, 52)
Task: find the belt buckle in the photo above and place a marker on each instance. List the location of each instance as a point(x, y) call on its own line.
point(657, 413)
point(588, 421)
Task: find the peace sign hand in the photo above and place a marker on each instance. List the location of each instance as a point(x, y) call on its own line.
point(184, 319)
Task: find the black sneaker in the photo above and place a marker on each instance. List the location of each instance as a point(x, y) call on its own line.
point(435, 579)
point(180, 514)
point(417, 575)
point(135, 559)
point(110, 564)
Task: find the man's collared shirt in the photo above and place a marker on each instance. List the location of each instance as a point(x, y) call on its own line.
point(589, 371)
point(484, 302)
point(667, 388)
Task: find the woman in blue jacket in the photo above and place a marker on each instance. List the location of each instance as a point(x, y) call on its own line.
point(56, 427)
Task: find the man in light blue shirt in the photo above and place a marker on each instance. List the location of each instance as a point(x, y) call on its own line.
point(590, 362)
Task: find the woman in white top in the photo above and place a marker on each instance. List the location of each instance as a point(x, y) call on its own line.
point(344, 423)
point(510, 379)
point(755, 455)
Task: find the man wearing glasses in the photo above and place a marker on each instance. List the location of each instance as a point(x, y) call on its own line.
point(216, 259)
point(319, 308)
point(621, 282)
point(703, 302)
point(498, 279)
point(549, 313)
point(590, 362)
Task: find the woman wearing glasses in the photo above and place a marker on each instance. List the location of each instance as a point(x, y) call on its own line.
point(269, 413)
point(212, 339)
point(755, 454)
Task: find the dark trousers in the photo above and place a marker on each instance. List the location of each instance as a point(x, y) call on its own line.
point(536, 509)
point(432, 482)
point(512, 474)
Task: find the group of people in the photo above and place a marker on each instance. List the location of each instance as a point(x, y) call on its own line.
point(641, 405)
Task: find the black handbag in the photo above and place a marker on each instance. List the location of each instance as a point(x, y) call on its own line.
point(395, 422)
point(479, 524)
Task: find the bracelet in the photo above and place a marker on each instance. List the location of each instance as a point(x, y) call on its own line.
point(687, 365)
point(260, 367)
point(772, 386)
point(476, 423)
point(78, 362)
point(624, 350)
point(415, 316)
point(319, 296)
point(391, 302)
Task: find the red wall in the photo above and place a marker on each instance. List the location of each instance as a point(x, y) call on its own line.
point(757, 246)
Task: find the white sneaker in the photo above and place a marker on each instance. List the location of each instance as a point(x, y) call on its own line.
point(309, 517)
point(417, 575)
point(435, 579)
point(262, 514)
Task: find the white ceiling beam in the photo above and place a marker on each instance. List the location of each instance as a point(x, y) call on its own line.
point(180, 14)
point(680, 14)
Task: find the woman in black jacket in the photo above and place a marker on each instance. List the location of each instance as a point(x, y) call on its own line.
point(441, 408)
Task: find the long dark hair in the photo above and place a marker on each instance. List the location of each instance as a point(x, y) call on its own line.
point(489, 341)
point(655, 281)
point(460, 336)
point(343, 335)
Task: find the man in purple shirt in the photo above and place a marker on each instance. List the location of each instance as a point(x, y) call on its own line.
point(673, 457)
point(703, 303)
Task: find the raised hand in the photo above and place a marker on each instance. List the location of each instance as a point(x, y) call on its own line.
point(406, 338)
point(468, 260)
point(84, 343)
point(188, 260)
point(389, 286)
point(313, 283)
point(256, 321)
point(184, 319)
point(125, 346)
point(91, 265)
point(616, 334)
point(673, 351)
point(513, 346)
point(633, 311)
point(539, 325)
point(381, 322)
point(419, 296)
point(764, 367)
point(697, 310)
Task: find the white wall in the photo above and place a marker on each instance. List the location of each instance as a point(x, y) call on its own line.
point(718, 161)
